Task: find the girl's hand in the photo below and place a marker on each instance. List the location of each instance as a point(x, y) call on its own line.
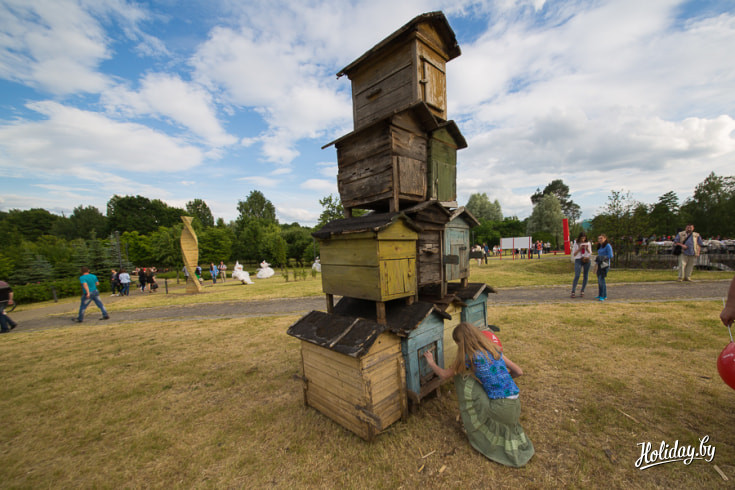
point(429, 356)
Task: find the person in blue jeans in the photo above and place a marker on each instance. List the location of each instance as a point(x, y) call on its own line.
point(604, 258)
point(581, 256)
point(89, 293)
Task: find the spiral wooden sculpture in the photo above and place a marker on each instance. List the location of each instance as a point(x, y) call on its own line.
point(190, 253)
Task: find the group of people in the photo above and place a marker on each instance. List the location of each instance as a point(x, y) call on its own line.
point(582, 258)
point(687, 245)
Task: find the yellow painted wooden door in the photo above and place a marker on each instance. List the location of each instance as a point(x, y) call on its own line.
point(397, 277)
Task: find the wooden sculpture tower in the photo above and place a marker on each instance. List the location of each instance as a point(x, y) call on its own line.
point(363, 358)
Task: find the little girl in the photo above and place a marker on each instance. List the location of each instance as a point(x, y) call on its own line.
point(487, 396)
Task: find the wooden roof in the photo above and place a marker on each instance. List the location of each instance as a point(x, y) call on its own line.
point(347, 335)
point(438, 22)
point(374, 222)
point(420, 110)
point(464, 213)
point(401, 318)
point(471, 292)
point(455, 293)
point(422, 206)
point(453, 130)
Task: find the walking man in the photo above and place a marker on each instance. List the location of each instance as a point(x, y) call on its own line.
point(691, 245)
point(89, 293)
point(6, 299)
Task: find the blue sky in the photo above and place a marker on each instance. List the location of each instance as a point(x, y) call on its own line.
point(178, 100)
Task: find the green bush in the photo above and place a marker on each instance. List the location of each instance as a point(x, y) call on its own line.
point(43, 291)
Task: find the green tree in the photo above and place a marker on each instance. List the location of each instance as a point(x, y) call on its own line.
point(621, 218)
point(710, 208)
point(664, 215)
point(137, 247)
point(558, 188)
point(199, 210)
point(31, 223)
point(547, 218)
point(84, 222)
point(138, 213)
point(256, 206)
point(165, 247)
point(482, 209)
point(298, 238)
point(333, 210)
point(215, 244)
point(274, 247)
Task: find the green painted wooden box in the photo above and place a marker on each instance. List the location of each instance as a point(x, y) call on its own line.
point(371, 257)
point(442, 163)
point(457, 245)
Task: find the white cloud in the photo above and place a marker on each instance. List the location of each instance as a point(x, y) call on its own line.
point(70, 138)
point(260, 181)
point(170, 96)
point(320, 185)
point(58, 45)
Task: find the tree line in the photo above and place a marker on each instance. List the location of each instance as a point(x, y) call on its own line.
point(40, 246)
point(711, 208)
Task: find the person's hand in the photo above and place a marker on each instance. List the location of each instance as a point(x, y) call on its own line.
point(429, 356)
point(727, 315)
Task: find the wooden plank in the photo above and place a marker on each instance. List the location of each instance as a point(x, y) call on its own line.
point(381, 99)
point(365, 168)
point(349, 250)
point(369, 189)
point(408, 144)
point(351, 281)
point(346, 362)
point(338, 410)
point(375, 140)
point(392, 58)
point(398, 231)
point(411, 177)
point(396, 249)
point(352, 390)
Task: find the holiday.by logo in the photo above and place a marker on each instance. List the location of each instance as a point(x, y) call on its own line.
point(670, 454)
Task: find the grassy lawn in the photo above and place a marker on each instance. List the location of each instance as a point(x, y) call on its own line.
point(215, 404)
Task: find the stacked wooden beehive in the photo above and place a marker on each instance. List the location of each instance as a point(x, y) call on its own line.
point(393, 267)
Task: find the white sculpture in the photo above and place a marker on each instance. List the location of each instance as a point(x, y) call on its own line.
point(240, 275)
point(317, 266)
point(265, 271)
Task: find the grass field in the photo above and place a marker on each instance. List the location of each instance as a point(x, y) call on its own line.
point(216, 404)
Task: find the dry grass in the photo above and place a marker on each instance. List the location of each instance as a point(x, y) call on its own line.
point(214, 404)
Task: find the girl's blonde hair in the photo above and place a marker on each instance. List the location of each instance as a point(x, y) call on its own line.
point(471, 341)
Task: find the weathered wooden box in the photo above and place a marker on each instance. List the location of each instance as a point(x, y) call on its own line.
point(461, 303)
point(353, 371)
point(385, 164)
point(420, 326)
point(371, 257)
point(457, 245)
point(432, 217)
point(406, 67)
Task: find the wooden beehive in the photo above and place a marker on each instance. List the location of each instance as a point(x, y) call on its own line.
point(457, 245)
point(371, 257)
point(385, 164)
point(432, 217)
point(353, 371)
point(420, 326)
point(406, 67)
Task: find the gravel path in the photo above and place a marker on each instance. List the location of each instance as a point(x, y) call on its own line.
point(58, 315)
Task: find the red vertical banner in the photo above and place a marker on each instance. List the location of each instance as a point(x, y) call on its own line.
point(567, 244)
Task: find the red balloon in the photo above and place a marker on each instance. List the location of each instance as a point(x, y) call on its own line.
point(726, 365)
point(494, 338)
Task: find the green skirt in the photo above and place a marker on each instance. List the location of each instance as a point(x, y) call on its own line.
point(492, 424)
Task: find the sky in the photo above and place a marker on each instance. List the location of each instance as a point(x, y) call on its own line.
point(182, 99)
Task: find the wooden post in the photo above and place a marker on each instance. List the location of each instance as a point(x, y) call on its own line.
point(330, 303)
point(380, 313)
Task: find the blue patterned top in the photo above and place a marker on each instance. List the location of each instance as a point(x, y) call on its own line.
point(494, 376)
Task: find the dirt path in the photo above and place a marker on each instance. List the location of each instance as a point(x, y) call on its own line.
point(58, 315)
